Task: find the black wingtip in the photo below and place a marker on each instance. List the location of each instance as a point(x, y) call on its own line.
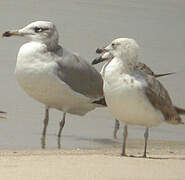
point(101, 102)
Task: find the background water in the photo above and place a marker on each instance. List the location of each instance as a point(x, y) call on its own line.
point(157, 25)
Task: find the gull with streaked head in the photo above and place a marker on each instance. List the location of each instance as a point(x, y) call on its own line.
point(133, 96)
point(107, 56)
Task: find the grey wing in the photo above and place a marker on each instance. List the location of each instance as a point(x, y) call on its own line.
point(80, 76)
point(159, 98)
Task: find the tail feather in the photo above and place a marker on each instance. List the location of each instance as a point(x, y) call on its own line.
point(165, 74)
point(180, 110)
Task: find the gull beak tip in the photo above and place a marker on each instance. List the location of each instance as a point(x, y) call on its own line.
point(99, 51)
point(98, 60)
point(95, 61)
point(6, 34)
point(11, 33)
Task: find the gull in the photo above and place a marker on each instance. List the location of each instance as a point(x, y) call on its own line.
point(140, 66)
point(54, 76)
point(133, 96)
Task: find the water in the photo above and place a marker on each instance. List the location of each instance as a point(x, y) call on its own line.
point(158, 26)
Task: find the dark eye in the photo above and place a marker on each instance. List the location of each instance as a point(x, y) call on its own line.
point(38, 29)
point(113, 44)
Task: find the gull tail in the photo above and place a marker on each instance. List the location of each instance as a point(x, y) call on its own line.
point(165, 74)
point(180, 110)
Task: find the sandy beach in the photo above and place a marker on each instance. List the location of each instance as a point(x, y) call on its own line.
point(166, 160)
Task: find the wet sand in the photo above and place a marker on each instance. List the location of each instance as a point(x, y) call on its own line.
point(165, 161)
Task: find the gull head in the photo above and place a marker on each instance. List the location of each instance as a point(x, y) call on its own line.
point(122, 48)
point(39, 31)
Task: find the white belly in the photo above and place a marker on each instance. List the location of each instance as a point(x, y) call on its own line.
point(40, 82)
point(127, 102)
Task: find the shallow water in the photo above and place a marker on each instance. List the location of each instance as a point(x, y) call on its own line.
point(159, 28)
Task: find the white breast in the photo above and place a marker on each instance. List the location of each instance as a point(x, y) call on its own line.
point(37, 77)
point(126, 99)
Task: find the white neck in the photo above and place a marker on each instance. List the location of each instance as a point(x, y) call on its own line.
point(127, 64)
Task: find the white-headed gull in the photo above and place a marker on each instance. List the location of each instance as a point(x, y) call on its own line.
point(54, 76)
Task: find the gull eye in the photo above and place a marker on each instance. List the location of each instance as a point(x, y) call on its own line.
point(113, 44)
point(38, 29)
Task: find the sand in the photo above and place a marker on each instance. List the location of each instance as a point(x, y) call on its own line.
point(166, 160)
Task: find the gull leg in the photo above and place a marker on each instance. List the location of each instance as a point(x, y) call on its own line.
point(125, 134)
point(116, 128)
point(46, 119)
point(146, 140)
point(62, 123)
